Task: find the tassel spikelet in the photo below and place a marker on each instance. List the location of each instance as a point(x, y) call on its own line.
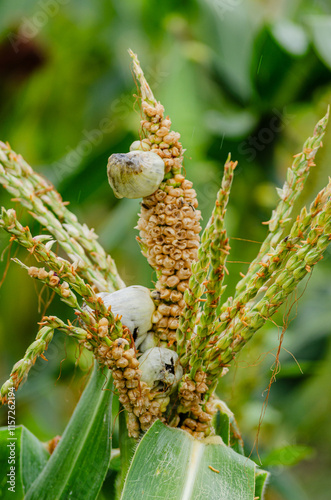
point(296, 178)
point(207, 278)
point(190, 316)
point(169, 222)
point(286, 266)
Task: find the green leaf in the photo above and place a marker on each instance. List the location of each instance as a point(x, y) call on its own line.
point(287, 455)
point(292, 37)
point(108, 490)
point(260, 483)
point(321, 32)
point(79, 464)
point(23, 455)
point(233, 55)
point(169, 463)
point(271, 71)
point(226, 427)
point(232, 124)
point(221, 424)
point(115, 462)
point(127, 447)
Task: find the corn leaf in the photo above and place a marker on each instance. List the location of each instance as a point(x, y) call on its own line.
point(22, 458)
point(169, 463)
point(79, 464)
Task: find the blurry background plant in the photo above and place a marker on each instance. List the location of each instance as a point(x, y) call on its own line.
point(247, 77)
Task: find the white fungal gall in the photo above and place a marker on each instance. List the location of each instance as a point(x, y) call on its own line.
point(140, 146)
point(135, 306)
point(160, 370)
point(149, 342)
point(136, 174)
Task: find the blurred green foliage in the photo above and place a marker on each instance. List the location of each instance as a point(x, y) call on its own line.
point(248, 77)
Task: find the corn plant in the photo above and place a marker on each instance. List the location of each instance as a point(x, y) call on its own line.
point(161, 350)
